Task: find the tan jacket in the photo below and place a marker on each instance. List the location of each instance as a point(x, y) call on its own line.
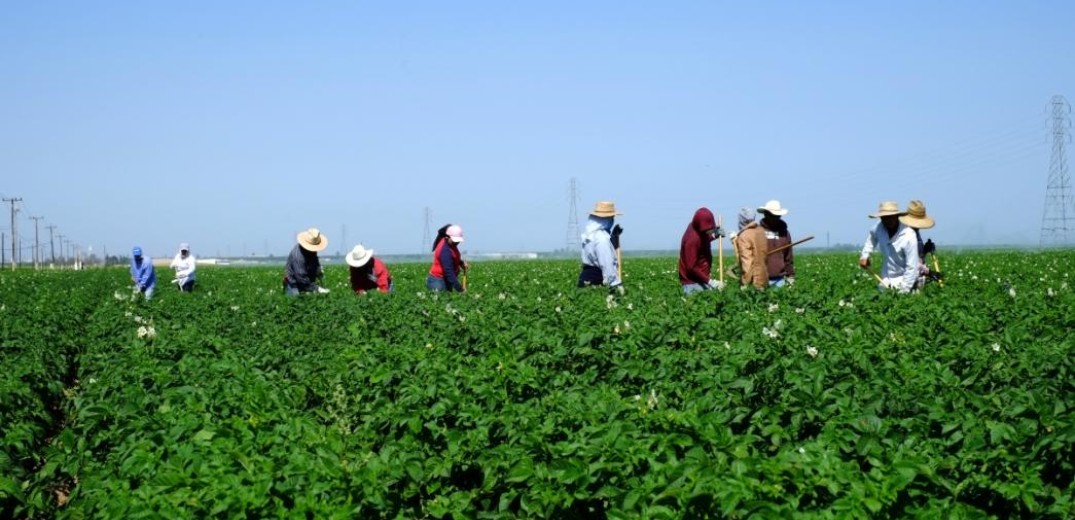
point(751, 247)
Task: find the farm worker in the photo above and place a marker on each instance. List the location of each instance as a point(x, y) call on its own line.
point(184, 265)
point(447, 260)
point(601, 239)
point(915, 218)
point(780, 265)
point(696, 253)
point(367, 272)
point(899, 249)
point(142, 273)
point(751, 247)
point(303, 269)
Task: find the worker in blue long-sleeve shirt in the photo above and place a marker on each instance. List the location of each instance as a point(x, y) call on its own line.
point(447, 261)
point(142, 273)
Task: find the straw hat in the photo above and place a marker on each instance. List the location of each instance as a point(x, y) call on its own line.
point(359, 256)
point(605, 209)
point(773, 206)
point(455, 233)
point(312, 240)
point(916, 216)
point(887, 209)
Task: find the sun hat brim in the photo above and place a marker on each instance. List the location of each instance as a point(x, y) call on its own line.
point(351, 261)
point(304, 242)
point(925, 222)
point(457, 240)
point(606, 213)
point(778, 212)
point(880, 214)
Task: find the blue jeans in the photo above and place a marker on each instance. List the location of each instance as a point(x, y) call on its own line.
point(776, 281)
point(436, 284)
point(693, 288)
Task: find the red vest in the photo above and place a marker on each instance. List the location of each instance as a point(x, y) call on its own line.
point(436, 269)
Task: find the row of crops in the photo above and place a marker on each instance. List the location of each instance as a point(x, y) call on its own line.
point(527, 397)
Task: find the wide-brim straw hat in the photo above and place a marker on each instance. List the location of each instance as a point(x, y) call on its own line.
point(359, 256)
point(916, 216)
point(605, 209)
point(312, 240)
point(773, 206)
point(887, 208)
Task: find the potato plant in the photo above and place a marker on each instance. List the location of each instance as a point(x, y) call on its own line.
point(528, 397)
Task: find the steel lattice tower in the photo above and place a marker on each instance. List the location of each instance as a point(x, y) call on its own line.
point(1058, 219)
point(574, 238)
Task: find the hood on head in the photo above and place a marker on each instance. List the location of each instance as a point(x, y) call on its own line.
point(703, 220)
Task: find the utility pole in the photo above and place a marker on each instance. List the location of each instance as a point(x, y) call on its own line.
point(1058, 218)
point(62, 257)
point(426, 234)
point(3, 252)
point(52, 246)
point(574, 239)
point(37, 243)
point(14, 233)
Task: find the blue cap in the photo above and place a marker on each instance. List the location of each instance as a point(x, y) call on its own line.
point(137, 251)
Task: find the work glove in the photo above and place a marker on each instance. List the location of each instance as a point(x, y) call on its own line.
point(715, 284)
point(372, 277)
point(929, 247)
point(615, 234)
point(719, 232)
point(322, 290)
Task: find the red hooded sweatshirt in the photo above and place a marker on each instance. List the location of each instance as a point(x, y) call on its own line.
point(695, 253)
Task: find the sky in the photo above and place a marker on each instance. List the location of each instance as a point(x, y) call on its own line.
point(235, 125)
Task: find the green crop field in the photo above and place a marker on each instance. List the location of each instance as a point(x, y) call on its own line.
point(528, 397)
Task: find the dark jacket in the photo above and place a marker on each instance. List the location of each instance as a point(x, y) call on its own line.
point(372, 276)
point(781, 263)
point(695, 251)
point(302, 270)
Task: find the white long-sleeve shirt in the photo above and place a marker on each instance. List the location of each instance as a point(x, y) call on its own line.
point(900, 252)
point(184, 267)
point(597, 251)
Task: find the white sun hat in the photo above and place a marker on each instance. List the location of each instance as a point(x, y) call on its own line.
point(773, 206)
point(359, 256)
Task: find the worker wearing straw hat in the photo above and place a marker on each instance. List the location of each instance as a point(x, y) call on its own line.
point(751, 247)
point(916, 218)
point(600, 265)
point(303, 270)
point(898, 246)
point(184, 265)
point(696, 253)
point(447, 261)
point(781, 264)
point(367, 272)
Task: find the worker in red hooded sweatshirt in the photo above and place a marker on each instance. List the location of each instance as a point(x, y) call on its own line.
point(696, 254)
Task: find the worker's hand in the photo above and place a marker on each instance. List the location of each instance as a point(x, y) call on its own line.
point(715, 284)
point(864, 263)
point(615, 234)
point(719, 232)
point(322, 290)
point(929, 247)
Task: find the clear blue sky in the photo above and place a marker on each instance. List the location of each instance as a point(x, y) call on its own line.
point(234, 125)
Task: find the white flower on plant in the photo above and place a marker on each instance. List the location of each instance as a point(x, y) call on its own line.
point(558, 308)
point(1049, 292)
point(996, 347)
point(773, 307)
point(1011, 292)
point(802, 450)
point(727, 346)
point(651, 401)
point(146, 332)
point(501, 297)
point(234, 307)
point(841, 303)
point(630, 306)
point(626, 325)
point(812, 351)
point(799, 310)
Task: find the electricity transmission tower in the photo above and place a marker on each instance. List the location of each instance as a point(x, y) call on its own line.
point(574, 239)
point(52, 246)
point(14, 233)
point(426, 234)
point(1058, 219)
